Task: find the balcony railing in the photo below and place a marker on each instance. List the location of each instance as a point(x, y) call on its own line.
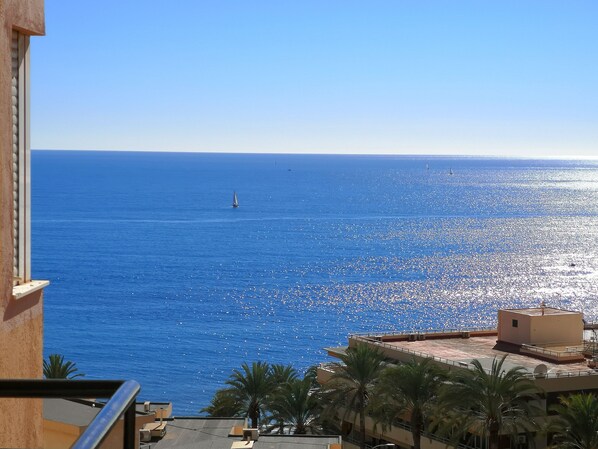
point(122, 396)
point(422, 331)
point(580, 372)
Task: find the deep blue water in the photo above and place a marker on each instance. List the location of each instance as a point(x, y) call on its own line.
point(155, 277)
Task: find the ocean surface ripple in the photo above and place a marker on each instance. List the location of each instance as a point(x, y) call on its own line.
point(155, 277)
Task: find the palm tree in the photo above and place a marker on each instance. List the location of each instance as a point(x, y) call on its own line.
point(409, 390)
point(281, 375)
point(295, 406)
point(353, 381)
point(489, 403)
point(576, 426)
point(311, 373)
point(56, 368)
point(224, 404)
point(251, 387)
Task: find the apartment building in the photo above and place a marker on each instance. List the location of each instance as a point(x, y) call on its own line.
point(556, 348)
point(21, 312)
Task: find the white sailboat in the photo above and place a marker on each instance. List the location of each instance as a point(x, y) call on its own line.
point(235, 200)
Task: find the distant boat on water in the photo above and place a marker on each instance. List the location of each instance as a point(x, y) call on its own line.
point(235, 200)
point(450, 171)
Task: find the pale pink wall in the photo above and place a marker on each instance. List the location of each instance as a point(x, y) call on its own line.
point(21, 322)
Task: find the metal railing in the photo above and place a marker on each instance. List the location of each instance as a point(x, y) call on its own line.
point(431, 331)
point(421, 354)
point(122, 396)
point(552, 354)
point(458, 364)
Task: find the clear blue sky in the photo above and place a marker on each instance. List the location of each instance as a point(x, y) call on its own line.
point(407, 77)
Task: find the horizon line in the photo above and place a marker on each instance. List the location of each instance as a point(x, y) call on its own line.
point(325, 153)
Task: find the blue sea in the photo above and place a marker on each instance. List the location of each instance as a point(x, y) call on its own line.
point(155, 277)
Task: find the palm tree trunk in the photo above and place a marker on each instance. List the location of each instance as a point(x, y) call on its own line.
point(254, 415)
point(362, 428)
point(416, 429)
point(493, 439)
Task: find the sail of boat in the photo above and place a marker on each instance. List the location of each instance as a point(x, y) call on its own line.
point(235, 200)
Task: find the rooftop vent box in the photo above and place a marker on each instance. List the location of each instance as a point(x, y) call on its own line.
point(250, 434)
point(145, 435)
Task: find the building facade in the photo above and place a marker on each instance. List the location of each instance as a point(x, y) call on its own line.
point(21, 311)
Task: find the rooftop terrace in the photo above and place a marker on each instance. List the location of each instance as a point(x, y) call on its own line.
point(214, 433)
point(542, 311)
point(549, 344)
point(461, 351)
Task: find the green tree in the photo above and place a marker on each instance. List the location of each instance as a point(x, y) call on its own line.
point(296, 407)
point(281, 376)
point(57, 368)
point(493, 403)
point(224, 404)
point(251, 387)
point(352, 383)
point(408, 391)
point(311, 373)
point(576, 423)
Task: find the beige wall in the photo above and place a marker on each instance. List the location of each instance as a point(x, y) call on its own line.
point(397, 435)
point(59, 435)
point(564, 329)
point(21, 323)
point(508, 333)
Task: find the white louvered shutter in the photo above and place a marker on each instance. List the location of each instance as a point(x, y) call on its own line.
point(20, 155)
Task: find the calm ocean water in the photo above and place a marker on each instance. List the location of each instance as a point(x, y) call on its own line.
point(155, 277)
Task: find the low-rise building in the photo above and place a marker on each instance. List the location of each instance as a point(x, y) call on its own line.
point(232, 433)
point(65, 420)
point(547, 342)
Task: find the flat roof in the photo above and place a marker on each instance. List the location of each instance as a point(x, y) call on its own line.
point(76, 412)
point(537, 311)
point(71, 411)
point(212, 433)
point(209, 433)
point(465, 350)
point(295, 441)
point(154, 406)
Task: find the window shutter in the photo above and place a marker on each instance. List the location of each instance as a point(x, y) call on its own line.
point(20, 156)
point(15, 147)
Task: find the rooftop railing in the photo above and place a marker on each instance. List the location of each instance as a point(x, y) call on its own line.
point(461, 364)
point(432, 331)
point(122, 396)
point(392, 347)
point(557, 355)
